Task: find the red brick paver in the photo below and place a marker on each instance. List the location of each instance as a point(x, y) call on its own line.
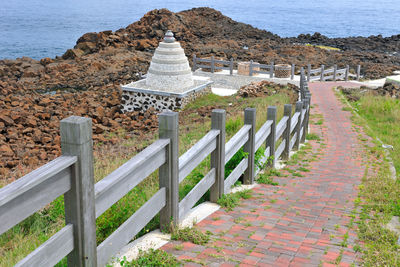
point(304, 220)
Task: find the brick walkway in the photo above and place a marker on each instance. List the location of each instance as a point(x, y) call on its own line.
point(304, 221)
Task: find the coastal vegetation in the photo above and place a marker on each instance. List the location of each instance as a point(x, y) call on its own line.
point(379, 193)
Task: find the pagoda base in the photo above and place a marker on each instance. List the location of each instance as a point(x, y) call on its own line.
point(137, 96)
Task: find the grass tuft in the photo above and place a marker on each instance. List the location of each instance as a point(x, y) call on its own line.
point(312, 136)
point(193, 235)
point(152, 258)
point(230, 201)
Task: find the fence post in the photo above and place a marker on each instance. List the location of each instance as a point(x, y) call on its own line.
point(212, 64)
point(302, 78)
point(322, 73)
point(308, 72)
point(346, 78)
point(358, 72)
point(231, 67)
point(334, 72)
point(292, 72)
point(76, 140)
point(299, 105)
point(218, 117)
point(271, 115)
point(169, 171)
point(194, 63)
point(303, 123)
point(307, 116)
point(249, 146)
point(251, 68)
point(271, 70)
point(286, 134)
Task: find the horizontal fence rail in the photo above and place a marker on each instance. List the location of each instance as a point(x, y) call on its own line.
point(32, 192)
point(72, 175)
point(197, 153)
point(117, 184)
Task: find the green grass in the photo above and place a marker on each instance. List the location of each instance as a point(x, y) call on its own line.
point(379, 196)
point(266, 177)
point(383, 117)
point(263, 179)
point(152, 258)
point(29, 234)
point(230, 201)
point(312, 136)
point(193, 235)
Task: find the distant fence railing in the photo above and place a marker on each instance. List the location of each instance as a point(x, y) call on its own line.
point(215, 64)
point(318, 74)
point(333, 73)
point(72, 175)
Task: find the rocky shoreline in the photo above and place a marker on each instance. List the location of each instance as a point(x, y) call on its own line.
point(36, 95)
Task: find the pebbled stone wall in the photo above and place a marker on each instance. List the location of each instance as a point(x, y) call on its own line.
point(139, 101)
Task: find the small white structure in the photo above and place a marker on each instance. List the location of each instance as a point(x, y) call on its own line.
point(169, 82)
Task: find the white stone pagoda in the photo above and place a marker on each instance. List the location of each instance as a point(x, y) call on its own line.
point(169, 83)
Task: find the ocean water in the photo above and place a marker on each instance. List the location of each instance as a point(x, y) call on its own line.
point(43, 28)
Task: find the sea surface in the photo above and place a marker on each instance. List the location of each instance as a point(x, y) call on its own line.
point(47, 28)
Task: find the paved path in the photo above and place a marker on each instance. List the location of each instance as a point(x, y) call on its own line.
point(305, 220)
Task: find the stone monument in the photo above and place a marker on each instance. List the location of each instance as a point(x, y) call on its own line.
point(169, 82)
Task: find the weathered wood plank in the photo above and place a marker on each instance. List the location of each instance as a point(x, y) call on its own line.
point(197, 153)
point(280, 149)
point(263, 133)
point(196, 193)
point(303, 113)
point(236, 142)
point(299, 106)
point(118, 183)
point(270, 142)
point(222, 68)
point(261, 72)
point(222, 62)
point(314, 78)
point(32, 197)
point(331, 70)
point(249, 147)
point(301, 133)
point(235, 174)
point(34, 178)
point(294, 121)
point(315, 71)
point(199, 66)
point(217, 160)
point(204, 60)
point(130, 227)
point(280, 128)
point(52, 251)
point(287, 112)
point(293, 141)
point(261, 66)
point(330, 77)
point(168, 174)
point(79, 201)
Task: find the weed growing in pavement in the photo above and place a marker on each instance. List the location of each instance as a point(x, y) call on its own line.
point(230, 201)
point(152, 258)
point(193, 235)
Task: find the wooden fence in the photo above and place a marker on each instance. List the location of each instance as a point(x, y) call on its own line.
point(255, 68)
point(333, 73)
point(71, 175)
point(226, 65)
point(319, 74)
